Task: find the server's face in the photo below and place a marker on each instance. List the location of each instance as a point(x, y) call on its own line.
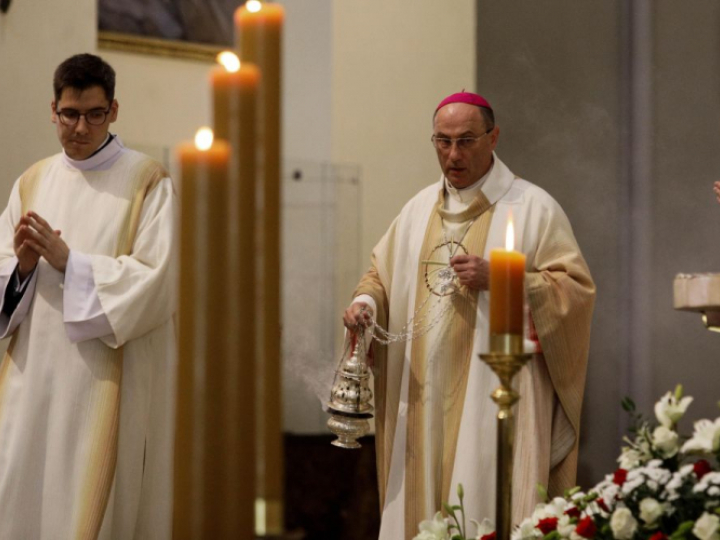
point(82, 119)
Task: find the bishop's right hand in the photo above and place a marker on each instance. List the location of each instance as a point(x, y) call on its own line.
point(358, 314)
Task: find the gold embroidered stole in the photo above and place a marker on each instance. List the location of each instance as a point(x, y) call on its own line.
point(105, 395)
point(456, 333)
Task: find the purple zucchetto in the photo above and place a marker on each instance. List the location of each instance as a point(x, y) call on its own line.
point(465, 97)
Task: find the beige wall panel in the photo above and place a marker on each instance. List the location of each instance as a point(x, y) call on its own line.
point(34, 38)
point(162, 101)
point(392, 64)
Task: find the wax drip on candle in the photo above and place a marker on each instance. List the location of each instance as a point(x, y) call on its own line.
point(229, 60)
point(204, 138)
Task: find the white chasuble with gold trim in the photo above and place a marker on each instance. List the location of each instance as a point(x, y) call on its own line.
point(436, 423)
point(86, 428)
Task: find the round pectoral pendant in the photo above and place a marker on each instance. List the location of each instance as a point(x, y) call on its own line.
point(440, 278)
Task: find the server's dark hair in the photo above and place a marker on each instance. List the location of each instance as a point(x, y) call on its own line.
point(83, 71)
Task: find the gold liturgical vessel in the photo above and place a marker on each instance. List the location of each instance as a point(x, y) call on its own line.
point(350, 397)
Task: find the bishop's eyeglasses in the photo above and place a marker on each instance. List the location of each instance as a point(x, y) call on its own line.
point(94, 117)
point(463, 143)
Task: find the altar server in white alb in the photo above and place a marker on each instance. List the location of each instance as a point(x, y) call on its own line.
point(88, 279)
point(436, 424)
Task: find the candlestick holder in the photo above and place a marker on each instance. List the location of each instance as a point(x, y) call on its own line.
point(350, 397)
point(506, 360)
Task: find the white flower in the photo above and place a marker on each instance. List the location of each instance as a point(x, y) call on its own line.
point(666, 441)
point(607, 490)
point(623, 524)
point(629, 458)
point(559, 506)
point(564, 527)
point(686, 473)
point(434, 529)
point(484, 528)
point(525, 531)
point(554, 508)
point(652, 476)
point(638, 452)
point(707, 527)
point(669, 410)
point(708, 481)
point(706, 438)
point(651, 510)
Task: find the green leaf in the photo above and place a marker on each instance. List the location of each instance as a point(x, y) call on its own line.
point(573, 491)
point(628, 404)
point(554, 535)
point(682, 530)
point(456, 537)
point(449, 509)
point(542, 493)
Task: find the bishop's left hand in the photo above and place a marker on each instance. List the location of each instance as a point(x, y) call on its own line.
point(47, 242)
point(472, 271)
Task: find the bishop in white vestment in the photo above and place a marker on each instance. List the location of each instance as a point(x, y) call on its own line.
point(436, 423)
point(87, 383)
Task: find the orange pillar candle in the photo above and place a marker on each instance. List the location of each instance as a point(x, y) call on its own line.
point(204, 360)
point(507, 299)
point(234, 88)
point(259, 28)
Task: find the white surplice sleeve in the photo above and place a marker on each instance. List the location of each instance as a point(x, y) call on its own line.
point(83, 314)
point(137, 291)
point(8, 278)
point(369, 300)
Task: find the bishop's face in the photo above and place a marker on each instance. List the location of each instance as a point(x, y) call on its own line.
point(81, 139)
point(464, 166)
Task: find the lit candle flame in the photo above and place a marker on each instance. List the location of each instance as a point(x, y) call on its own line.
point(204, 138)
point(253, 6)
point(229, 60)
point(510, 235)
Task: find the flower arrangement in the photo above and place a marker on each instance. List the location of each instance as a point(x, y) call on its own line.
point(453, 527)
point(666, 488)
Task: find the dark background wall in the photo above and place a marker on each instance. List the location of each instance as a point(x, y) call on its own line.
point(614, 108)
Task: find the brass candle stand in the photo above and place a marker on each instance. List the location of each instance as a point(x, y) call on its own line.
point(506, 360)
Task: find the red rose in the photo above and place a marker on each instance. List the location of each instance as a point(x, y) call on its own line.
point(601, 504)
point(573, 512)
point(586, 528)
point(491, 536)
point(658, 536)
point(619, 477)
point(701, 468)
point(547, 525)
